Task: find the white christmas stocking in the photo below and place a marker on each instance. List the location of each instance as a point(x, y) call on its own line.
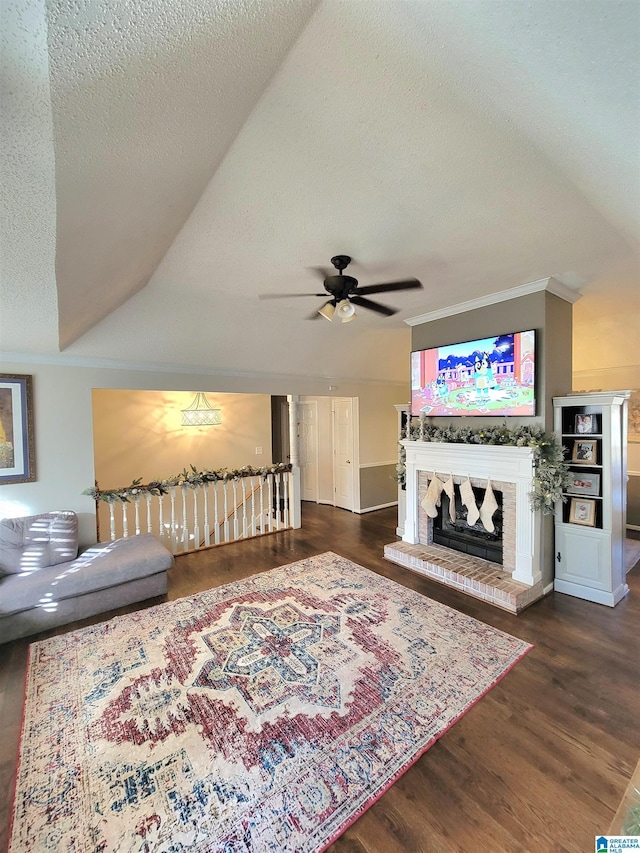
point(432, 499)
point(489, 506)
point(469, 500)
point(450, 491)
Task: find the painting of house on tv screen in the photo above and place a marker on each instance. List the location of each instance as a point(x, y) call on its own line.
point(488, 377)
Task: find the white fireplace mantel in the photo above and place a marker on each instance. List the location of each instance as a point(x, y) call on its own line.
point(483, 462)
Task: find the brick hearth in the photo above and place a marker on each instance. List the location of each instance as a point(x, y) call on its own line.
point(471, 575)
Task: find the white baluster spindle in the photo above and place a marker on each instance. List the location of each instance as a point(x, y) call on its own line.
point(112, 521)
point(184, 526)
point(148, 499)
point(226, 510)
point(253, 506)
point(285, 484)
point(136, 503)
point(174, 527)
point(262, 504)
point(216, 519)
point(162, 533)
point(235, 509)
point(244, 507)
point(270, 495)
point(207, 529)
point(196, 523)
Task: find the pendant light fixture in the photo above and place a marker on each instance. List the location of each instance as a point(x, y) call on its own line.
point(201, 413)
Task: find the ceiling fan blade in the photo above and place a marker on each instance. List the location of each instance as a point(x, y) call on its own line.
point(321, 272)
point(373, 306)
point(286, 295)
point(407, 284)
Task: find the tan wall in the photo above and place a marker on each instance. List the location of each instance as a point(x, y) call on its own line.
point(606, 324)
point(379, 422)
point(606, 355)
point(138, 434)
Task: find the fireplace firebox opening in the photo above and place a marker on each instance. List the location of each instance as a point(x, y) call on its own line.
point(472, 539)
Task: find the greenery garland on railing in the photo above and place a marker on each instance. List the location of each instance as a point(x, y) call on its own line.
point(551, 474)
point(191, 479)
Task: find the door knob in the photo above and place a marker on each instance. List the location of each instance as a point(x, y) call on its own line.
point(348, 462)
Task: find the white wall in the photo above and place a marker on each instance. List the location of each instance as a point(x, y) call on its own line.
point(64, 429)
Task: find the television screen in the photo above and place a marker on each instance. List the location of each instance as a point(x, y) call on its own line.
point(488, 377)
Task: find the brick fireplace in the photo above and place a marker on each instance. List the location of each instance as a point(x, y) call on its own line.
point(518, 581)
point(509, 468)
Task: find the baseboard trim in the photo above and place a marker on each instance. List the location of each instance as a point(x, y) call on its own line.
point(374, 508)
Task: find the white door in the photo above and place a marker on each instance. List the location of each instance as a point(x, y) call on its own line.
point(308, 449)
point(343, 462)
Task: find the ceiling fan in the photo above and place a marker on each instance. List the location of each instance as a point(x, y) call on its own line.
point(345, 293)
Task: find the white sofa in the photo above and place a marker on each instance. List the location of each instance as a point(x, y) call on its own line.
point(44, 583)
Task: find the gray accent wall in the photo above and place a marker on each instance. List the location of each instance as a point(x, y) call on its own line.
point(633, 501)
point(378, 486)
point(552, 318)
point(548, 314)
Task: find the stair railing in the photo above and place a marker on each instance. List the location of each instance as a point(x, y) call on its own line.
point(201, 509)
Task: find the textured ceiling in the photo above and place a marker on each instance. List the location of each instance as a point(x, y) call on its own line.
point(165, 163)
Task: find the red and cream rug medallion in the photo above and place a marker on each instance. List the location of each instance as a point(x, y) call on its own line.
point(264, 715)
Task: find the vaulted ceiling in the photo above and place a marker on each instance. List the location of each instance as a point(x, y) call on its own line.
point(165, 163)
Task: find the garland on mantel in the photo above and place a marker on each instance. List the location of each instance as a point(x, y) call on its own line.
point(191, 479)
point(551, 472)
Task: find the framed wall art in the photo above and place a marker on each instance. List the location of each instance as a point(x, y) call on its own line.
point(582, 511)
point(585, 451)
point(17, 440)
point(583, 483)
point(634, 417)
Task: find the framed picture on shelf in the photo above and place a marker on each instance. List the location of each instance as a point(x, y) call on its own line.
point(583, 483)
point(586, 424)
point(17, 446)
point(585, 451)
point(582, 511)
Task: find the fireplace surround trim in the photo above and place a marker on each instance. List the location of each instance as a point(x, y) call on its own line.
point(483, 462)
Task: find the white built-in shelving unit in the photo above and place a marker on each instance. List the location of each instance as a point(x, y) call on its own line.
point(590, 523)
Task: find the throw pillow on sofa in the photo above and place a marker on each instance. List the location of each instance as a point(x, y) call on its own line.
point(33, 542)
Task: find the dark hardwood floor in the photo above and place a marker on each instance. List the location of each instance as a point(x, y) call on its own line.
point(540, 763)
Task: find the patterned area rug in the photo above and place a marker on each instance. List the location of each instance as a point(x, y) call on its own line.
point(264, 715)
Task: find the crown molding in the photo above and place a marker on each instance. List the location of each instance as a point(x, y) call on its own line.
point(550, 284)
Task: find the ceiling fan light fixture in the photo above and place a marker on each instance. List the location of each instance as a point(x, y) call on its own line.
point(344, 293)
point(345, 311)
point(327, 310)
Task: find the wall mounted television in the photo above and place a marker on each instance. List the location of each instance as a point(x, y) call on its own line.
point(490, 377)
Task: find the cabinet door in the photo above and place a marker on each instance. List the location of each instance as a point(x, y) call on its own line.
point(583, 557)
